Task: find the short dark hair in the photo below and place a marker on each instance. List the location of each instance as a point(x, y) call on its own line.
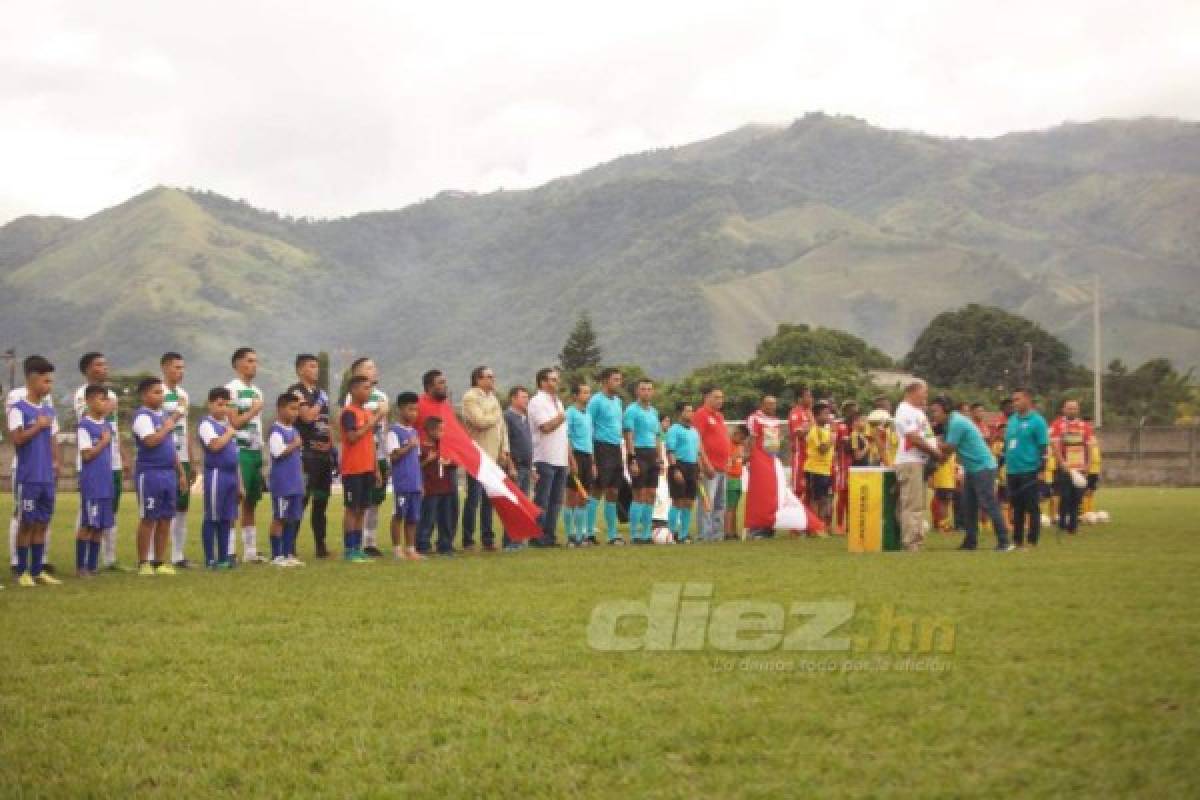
point(432, 422)
point(516, 390)
point(168, 357)
point(944, 402)
point(358, 362)
point(85, 361)
point(358, 380)
point(304, 358)
point(1025, 390)
point(577, 387)
point(978, 404)
point(219, 393)
point(36, 365)
point(147, 383)
point(286, 399)
point(743, 429)
point(820, 406)
point(241, 353)
point(608, 372)
point(406, 399)
point(94, 389)
point(801, 388)
point(429, 377)
point(542, 374)
point(645, 380)
point(681, 405)
point(477, 374)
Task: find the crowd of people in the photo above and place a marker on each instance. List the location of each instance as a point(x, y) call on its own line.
point(593, 459)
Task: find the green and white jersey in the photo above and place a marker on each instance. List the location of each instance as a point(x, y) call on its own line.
point(177, 400)
point(81, 412)
point(377, 400)
point(250, 436)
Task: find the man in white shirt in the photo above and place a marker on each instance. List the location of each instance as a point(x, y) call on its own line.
point(917, 446)
point(546, 418)
point(245, 415)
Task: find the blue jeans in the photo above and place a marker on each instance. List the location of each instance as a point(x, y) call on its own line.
point(522, 481)
point(478, 506)
point(712, 523)
point(979, 492)
point(442, 510)
point(552, 481)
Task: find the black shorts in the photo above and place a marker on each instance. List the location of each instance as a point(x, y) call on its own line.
point(1093, 481)
point(647, 461)
point(357, 490)
point(583, 461)
point(819, 486)
point(685, 489)
point(610, 472)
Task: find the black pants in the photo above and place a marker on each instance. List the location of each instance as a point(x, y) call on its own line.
point(1069, 498)
point(1023, 496)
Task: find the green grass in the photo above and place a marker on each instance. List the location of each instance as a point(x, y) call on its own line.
point(1073, 671)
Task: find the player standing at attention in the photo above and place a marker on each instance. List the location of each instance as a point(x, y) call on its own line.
point(1071, 438)
point(580, 516)
point(222, 479)
point(286, 481)
point(377, 403)
point(158, 476)
point(360, 468)
point(94, 368)
point(818, 461)
point(317, 455)
point(176, 399)
point(605, 412)
point(404, 451)
point(945, 484)
point(645, 461)
point(800, 420)
point(34, 426)
point(1026, 438)
point(246, 417)
point(733, 479)
point(686, 459)
point(93, 439)
point(15, 396)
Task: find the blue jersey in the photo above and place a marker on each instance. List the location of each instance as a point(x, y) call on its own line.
point(95, 476)
point(35, 458)
point(286, 478)
point(159, 456)
point(643, 423)
point(605, 414)
point(225, 459)
point(406, 471)
point(579, 430)
point(684, 442)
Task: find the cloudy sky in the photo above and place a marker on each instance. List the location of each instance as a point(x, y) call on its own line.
point(326, 109)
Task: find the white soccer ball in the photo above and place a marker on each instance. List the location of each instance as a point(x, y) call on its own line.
point(1046, 521)
point(1089, 517)
point(1102, 516)
point(662, 536)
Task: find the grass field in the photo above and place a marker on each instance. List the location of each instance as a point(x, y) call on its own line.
point(1073, 671)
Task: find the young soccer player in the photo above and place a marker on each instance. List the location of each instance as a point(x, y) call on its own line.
point(158, 477)
point(686, 459)
point(818, 462)
point(245, 415)
point(360, 469)
point(14, 396)
point(733, 479)
point(404, 451)
point(605, 412)
point(860, 443)
point(377, 403)
point(842, 458)
point(945, 483)
point(175, 398)
point(437, 504)
point(580, 514)
point(94, 368)
point(285, 481)
point(93, 439)
point(34, 426)
point(641, 427)
point(1093, 473)
point(317, 455)
point(800, 421)
point(222, 479)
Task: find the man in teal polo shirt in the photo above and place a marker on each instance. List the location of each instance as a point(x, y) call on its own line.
point(979, 473)
point(1026, 438)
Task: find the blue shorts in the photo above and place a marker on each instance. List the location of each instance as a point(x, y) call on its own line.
point(408, 506)
point(221, 495)
point(287, 507)
point(95, 513)
point(157, 491)
point(35, 502)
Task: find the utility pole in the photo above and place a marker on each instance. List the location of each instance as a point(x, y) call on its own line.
point(1097, 363)
point(1027, 366)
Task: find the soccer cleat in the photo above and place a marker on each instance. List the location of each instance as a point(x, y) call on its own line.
point(372, 551)
point(279, 561)
point(292, 561)
point(183, 563)
point(164, 569)
point(146, 570)
point(617, 541)
point(117, 566)
point(489, 548)
point(1005, 548)
point(359, 557)
point(46, 579)
point(26, 580)
point(255, 559)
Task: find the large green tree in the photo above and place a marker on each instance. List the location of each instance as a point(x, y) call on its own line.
point(581, 350)
point(800, 345)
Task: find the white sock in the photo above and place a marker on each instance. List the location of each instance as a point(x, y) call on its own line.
point(250, 541)
point(151, 555)
point(108, 546)
point(178, 535)
point(12, 540)
point(235, 531)
point(370, 523)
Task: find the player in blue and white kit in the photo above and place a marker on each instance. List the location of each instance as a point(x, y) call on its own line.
point(404, 452)
point(286, 482)
point(158, 476)
point(641, 427)
point(33, 426)
point(604, 410)
point(93, 439)
point(93, 367)
point(15, 396)
point(222, 479)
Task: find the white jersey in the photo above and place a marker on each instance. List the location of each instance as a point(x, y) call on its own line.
point(15, 396)
point(111, 419)
point(250, 435)
point(177, 400)
point(377, 400)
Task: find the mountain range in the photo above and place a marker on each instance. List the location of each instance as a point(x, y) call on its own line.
point(683, 256)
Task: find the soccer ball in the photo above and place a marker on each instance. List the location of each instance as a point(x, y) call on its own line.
point(662, 536)
point(1102, 516)
point(1046, 521)
point(1089, 517)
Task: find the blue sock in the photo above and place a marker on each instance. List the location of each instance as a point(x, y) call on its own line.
point(208, 537)
point(277, 546)
point(645, 519)
point(93, 554)
point(673, 520)
point(685, 522)
point(23, 559)
point(222, 528)
point(635, 520)
point(592, 506)
point(610, 520)
point(81, 547)
point(580, 522)
point(37, 553)
point(356, 539)
point(290, 529)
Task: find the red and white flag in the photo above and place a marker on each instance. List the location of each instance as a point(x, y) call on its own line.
point(770, 503)
point(517, 512)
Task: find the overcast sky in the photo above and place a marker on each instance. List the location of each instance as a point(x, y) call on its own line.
point(326, 109)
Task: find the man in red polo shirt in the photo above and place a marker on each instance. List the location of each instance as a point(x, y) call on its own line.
point(435, 402)
point(714, 443)
point(799, 421)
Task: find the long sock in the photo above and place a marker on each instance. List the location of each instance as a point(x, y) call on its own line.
point(234, 533)
point(318, 519)
point(224, 537)
point(13, 524)
point(23, 559)
point(673, 520)
point(647, 520)
point(208, 538)
point(250, 541)
point(370, 525)
point(590, 515)
point(80, 554)
point(93, 555)
point(580, 515)
point(685, 522)
point(179, 536)
point(108, 545)
point(276, 545)
point(289, 538)
point(610, 519)
point(37, 555)
point(348, 541)
point(635, 521)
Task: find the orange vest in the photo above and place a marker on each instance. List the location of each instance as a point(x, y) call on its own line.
point(358, 457)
